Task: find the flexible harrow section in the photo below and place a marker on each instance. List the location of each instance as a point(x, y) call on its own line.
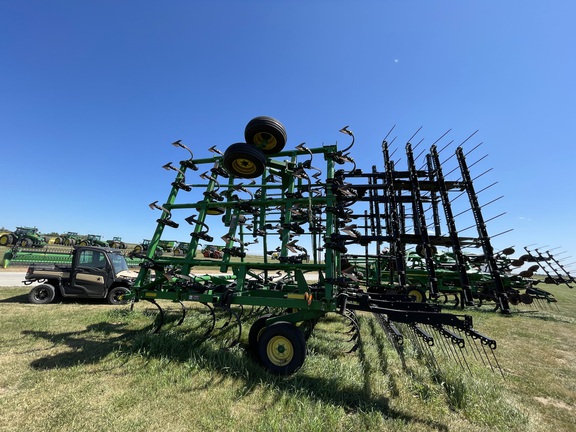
point(304, 219)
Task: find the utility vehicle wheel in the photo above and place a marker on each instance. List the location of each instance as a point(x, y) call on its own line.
point(42, 294)
point(256, 330)
point(116, 296)
point(5, 240)
point(418, 294)
point(137, 249)
point(83, 243)
point(282, 348)
point(244, 160)
point(25, 242)
point(58, 240)
point(266, 133)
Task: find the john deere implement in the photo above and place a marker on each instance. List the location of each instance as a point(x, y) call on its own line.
point(301, 210)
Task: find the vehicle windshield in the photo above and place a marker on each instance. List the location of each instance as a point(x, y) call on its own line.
point(118, 262)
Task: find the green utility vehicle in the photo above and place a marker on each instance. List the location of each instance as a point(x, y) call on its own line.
point(95, 272)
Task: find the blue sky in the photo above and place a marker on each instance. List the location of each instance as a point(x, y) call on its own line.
point(93, 93)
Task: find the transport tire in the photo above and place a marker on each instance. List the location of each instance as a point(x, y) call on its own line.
point(266, 133)
point(42, 294)
point(244, 160)
point(5, 240)
point(418, 293)
point(116, 296)
point(215, 211)
point(282, 348)
point(256, 330)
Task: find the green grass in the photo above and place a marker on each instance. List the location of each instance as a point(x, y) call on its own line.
point(88, 366)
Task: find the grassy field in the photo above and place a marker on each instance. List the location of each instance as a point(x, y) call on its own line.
point(87, 366)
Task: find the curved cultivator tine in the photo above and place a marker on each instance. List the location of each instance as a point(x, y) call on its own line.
point(181, 320)
point(159, 321)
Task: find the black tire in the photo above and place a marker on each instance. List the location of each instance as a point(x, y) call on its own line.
point(418, 293)
point(116, 296)
point(266, 133)
point(42, 294)
point(215, 211)
point(25, 242)
point(244, 160)
point(282, 348)
point(5, 240)
point(256, 331)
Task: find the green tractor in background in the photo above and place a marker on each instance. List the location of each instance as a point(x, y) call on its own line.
point(23, 237)
point(116, 243)
point(67, 239)
point(93, 240)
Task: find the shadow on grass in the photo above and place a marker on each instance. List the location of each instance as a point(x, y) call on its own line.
point(97, 341)
point(21, 298)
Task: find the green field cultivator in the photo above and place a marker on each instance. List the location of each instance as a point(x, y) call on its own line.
point(325, 238)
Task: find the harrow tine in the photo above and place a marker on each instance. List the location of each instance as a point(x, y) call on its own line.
point(486, 342)
point(391, 331)
point(497, 364)
point(463, 350)
point(473, 347)
point(423, 343)
point(446, 347)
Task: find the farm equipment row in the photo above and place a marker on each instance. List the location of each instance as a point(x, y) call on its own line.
point(306, 220)
point(27, 237)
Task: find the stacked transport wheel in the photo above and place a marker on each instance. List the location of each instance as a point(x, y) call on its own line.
point(264, 136)
point(280, 347)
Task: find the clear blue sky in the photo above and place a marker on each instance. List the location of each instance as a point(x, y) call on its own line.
point(93, 92)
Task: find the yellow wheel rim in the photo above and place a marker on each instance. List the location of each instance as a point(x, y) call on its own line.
point(280, 351)
point(214, 211)
point(417, 295)
point(4, 240)
point(244, 166)
point(265, 141)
